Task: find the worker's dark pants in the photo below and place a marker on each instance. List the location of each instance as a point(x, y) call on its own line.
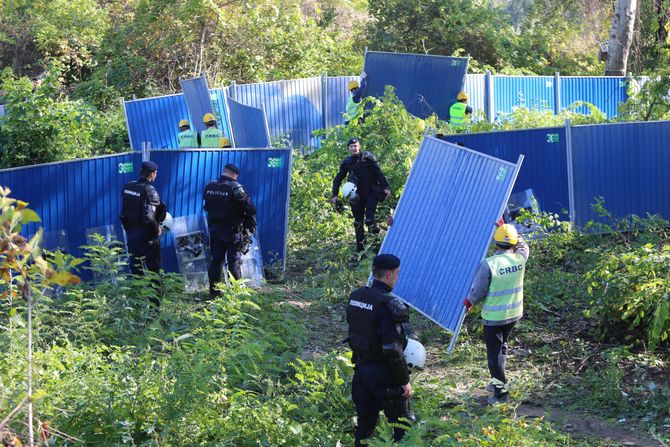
point(364, 212)
point(496, 351)
point(224, 243)
point(369, 393)
point(145, 254)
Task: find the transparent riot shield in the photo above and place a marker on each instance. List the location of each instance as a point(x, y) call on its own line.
point(192, 252)
point(252, 264)
point(112, 258)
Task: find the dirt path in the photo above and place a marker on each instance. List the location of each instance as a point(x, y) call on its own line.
point(581, 424)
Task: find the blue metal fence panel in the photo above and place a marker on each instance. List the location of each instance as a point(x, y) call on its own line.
point(627, 164)
point(294, 108)
point(198, 101)
point(155, 120)
point(475, 88)
point(531, 91)
point(218, 97)
point(604, 92)
point(337, 99)
point(74, 195)
point(425, 84)
point(545, 167)
point(249, 125)
point(468, 199)
point(264, 173)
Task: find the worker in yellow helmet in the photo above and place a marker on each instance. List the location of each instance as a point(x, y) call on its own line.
point(212, 136)
point(186, 138)
point(460, 111)
point(353, 110)
point(498, 284)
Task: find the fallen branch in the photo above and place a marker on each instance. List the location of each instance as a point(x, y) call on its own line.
point(12, 413)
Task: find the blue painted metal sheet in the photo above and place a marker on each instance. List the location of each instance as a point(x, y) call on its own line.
point(265, 174)
point(475, 88)
point(2, 110)
point(74, 195)
point(545, 167)
point(198, 101)
point(294, 108)
point(249, 125)
point(218, 98)
point(627, 164)
point(531, 91)
point(337, 99)
point(604, 92)
point(425, 84)
point(468, 198)
point(155, 120)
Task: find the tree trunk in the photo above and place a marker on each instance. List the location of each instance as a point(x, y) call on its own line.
point(621, 36)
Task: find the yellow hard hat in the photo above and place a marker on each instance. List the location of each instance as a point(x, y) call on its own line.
point(224, 142)
point(184, 123)
point(352, 85)
point(462, 95)
point(209, 118)
point(506, 235)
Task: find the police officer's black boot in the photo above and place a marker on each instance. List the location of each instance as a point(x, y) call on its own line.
point(360, 235)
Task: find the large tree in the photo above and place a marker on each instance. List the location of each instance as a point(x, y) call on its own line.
point(621, 37)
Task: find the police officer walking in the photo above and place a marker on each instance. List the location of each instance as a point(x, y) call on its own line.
point(363, 170)
point(141, 215)
point(498, 282)
point(229, 213)
point(377, 338)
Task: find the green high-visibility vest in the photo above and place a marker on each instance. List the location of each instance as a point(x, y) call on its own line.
point(187, 138)
point(211, 137)
point(505, 298)
point(457, 114)
point(351, 109)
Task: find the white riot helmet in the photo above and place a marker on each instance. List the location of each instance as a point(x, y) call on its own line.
point(350, 191)
point(167, 224)
point(415, 354)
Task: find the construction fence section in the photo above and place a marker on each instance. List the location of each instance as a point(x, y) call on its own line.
point(296, 108)
point(572, 168)
point(77, 198)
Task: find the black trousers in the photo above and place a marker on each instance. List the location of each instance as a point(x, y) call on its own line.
point(496, 351)
point(145, 254)
point(224, 243)
point(364, 214)
point(369, 393)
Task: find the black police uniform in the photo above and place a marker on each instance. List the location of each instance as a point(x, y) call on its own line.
point(363, 170)
point(377, 338)
point(228, 206)
point(140, 201)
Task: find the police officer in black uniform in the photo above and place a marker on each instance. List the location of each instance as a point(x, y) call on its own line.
point(230, 212)
point(377, 338)
point(363, 170)
point(141, 214)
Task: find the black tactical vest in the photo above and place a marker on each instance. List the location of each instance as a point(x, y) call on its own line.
point(134, 198)
point(361, 172)
point(220, 203)
point(363, 311)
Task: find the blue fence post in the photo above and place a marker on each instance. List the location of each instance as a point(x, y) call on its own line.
point(571, 173)
point(557, 93)
point(489, 106)
point(324, 100)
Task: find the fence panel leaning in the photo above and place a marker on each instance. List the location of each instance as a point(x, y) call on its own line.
point(425, 84)
point(436, 219)
point(198, 100)
point(249, 124)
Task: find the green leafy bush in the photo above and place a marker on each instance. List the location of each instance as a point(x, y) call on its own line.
point(630, 293)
